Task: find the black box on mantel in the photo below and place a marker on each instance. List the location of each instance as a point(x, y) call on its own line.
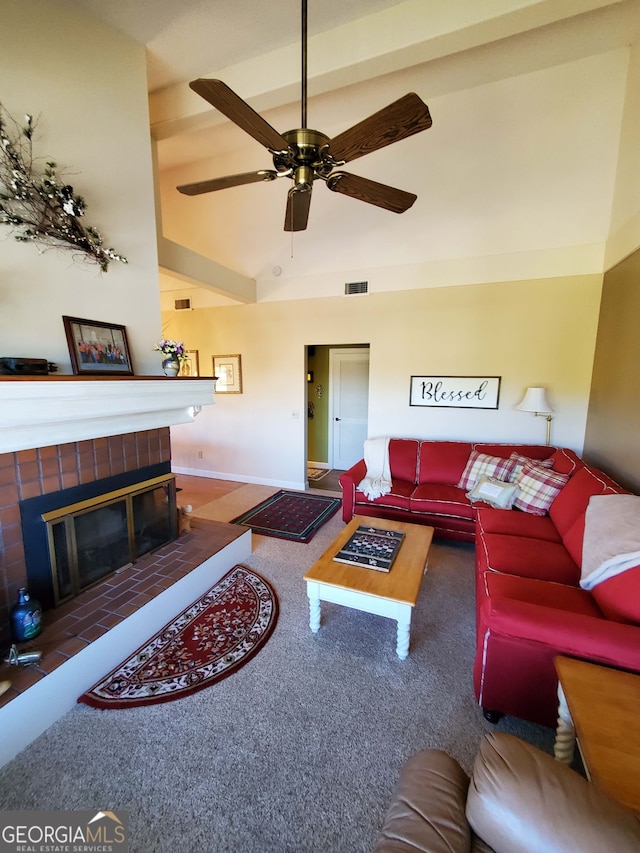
point(10, 366)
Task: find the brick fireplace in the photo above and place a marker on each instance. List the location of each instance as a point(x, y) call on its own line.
point(61, 432)
point(41, 471)
point(65, 432)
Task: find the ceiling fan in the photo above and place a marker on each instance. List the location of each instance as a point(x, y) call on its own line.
point(304, 155)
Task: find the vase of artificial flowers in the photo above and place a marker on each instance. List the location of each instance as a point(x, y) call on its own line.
point(174, 354)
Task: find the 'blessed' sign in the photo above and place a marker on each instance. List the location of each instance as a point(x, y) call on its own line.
point(461, 392)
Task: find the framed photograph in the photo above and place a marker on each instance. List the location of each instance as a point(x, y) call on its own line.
point(228, 369)
point(190, 367)
point(458, 392)
point(97, 347)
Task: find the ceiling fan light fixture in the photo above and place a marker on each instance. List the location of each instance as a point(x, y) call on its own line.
point(304, 154)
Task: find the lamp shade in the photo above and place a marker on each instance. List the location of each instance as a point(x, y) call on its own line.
point(535, 400)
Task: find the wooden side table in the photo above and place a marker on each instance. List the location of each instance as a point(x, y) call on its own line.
point(600, 708)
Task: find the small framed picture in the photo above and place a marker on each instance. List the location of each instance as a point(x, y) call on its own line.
point(228, 369)
point(191, 365)
point(97, 347)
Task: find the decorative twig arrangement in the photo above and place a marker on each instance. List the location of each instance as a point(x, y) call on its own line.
point(38, 205)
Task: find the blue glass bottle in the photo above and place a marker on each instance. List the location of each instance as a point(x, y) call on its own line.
point(26, 618)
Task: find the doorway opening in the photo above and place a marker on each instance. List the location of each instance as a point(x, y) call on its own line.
point(337, 408)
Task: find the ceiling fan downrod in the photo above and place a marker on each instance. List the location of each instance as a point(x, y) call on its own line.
point(303, 98)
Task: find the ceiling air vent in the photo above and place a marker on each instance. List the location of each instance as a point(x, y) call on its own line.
point(352, 287)
point(182, 304)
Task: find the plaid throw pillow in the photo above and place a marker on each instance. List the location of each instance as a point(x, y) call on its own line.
point(483, 465)
point(519, 461)
point(538, 488)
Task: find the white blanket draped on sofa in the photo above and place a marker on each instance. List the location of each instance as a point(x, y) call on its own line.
point(611, 542)
point(378, 478)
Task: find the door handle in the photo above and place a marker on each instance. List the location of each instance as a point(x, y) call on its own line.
point(338, 419)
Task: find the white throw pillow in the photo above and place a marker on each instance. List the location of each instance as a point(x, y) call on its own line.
point(497, 493)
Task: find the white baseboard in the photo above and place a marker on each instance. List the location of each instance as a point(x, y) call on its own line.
point(324, 465)
point(237, 478)
point(32, 712)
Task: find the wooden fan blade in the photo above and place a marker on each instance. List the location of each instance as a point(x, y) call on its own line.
point(402, 118)
point(220, 96)
point(226, 182)
point(298, 204)
point(390, 198)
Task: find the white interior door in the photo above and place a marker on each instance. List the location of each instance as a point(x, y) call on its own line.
point(348, 405)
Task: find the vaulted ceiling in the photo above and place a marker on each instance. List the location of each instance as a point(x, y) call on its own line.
point(527, 99)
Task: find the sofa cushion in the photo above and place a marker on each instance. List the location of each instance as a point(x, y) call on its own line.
point(518, 524)
point(403, 459)
point(534, 451)
point(398, 497)
point(619, 597)
point(440, 499)
point(482, 465)
point(573, 539)
point(443, 461)
point(531, 558)
point(537, 488)
point(571, 502)
point(565, 461)
point(496, 493)
point(558, 596)
point(521, 799)
point(427, 812)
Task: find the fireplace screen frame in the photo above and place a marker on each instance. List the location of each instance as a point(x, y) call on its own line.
point(66, 581)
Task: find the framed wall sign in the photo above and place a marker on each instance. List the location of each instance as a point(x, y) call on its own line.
point(228, 369)
point(97, 347)
point(459, 392)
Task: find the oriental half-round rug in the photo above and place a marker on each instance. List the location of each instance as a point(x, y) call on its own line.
point(211, 639)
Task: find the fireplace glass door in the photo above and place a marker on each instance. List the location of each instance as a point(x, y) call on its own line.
point(89, 543)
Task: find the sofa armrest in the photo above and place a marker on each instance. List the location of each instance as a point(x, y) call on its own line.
point(349, 482)
point(572, 634)
point(522, 799)
point(355, 474)
point(427, 813)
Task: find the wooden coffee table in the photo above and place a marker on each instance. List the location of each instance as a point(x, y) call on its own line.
point(600, 707)
point(392, 594)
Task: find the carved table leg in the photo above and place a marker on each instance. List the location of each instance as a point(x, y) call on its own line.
point(565, 732)
point(314, 614)
point(404, 629)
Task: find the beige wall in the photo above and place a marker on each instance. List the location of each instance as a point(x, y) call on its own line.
point(87, 83)
point(624, 231)
point(513, 291)
point(528, 332)
point(614, 410)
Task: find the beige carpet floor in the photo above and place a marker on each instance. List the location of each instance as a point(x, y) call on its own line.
point(298, 751)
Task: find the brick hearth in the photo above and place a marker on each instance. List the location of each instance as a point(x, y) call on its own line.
point(70, 628)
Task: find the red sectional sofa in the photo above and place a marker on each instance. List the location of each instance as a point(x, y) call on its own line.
point(425, 477)
point(529, 604)
point(530, 607)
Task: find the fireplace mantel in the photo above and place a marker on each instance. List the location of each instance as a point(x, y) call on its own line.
point(42, 411)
